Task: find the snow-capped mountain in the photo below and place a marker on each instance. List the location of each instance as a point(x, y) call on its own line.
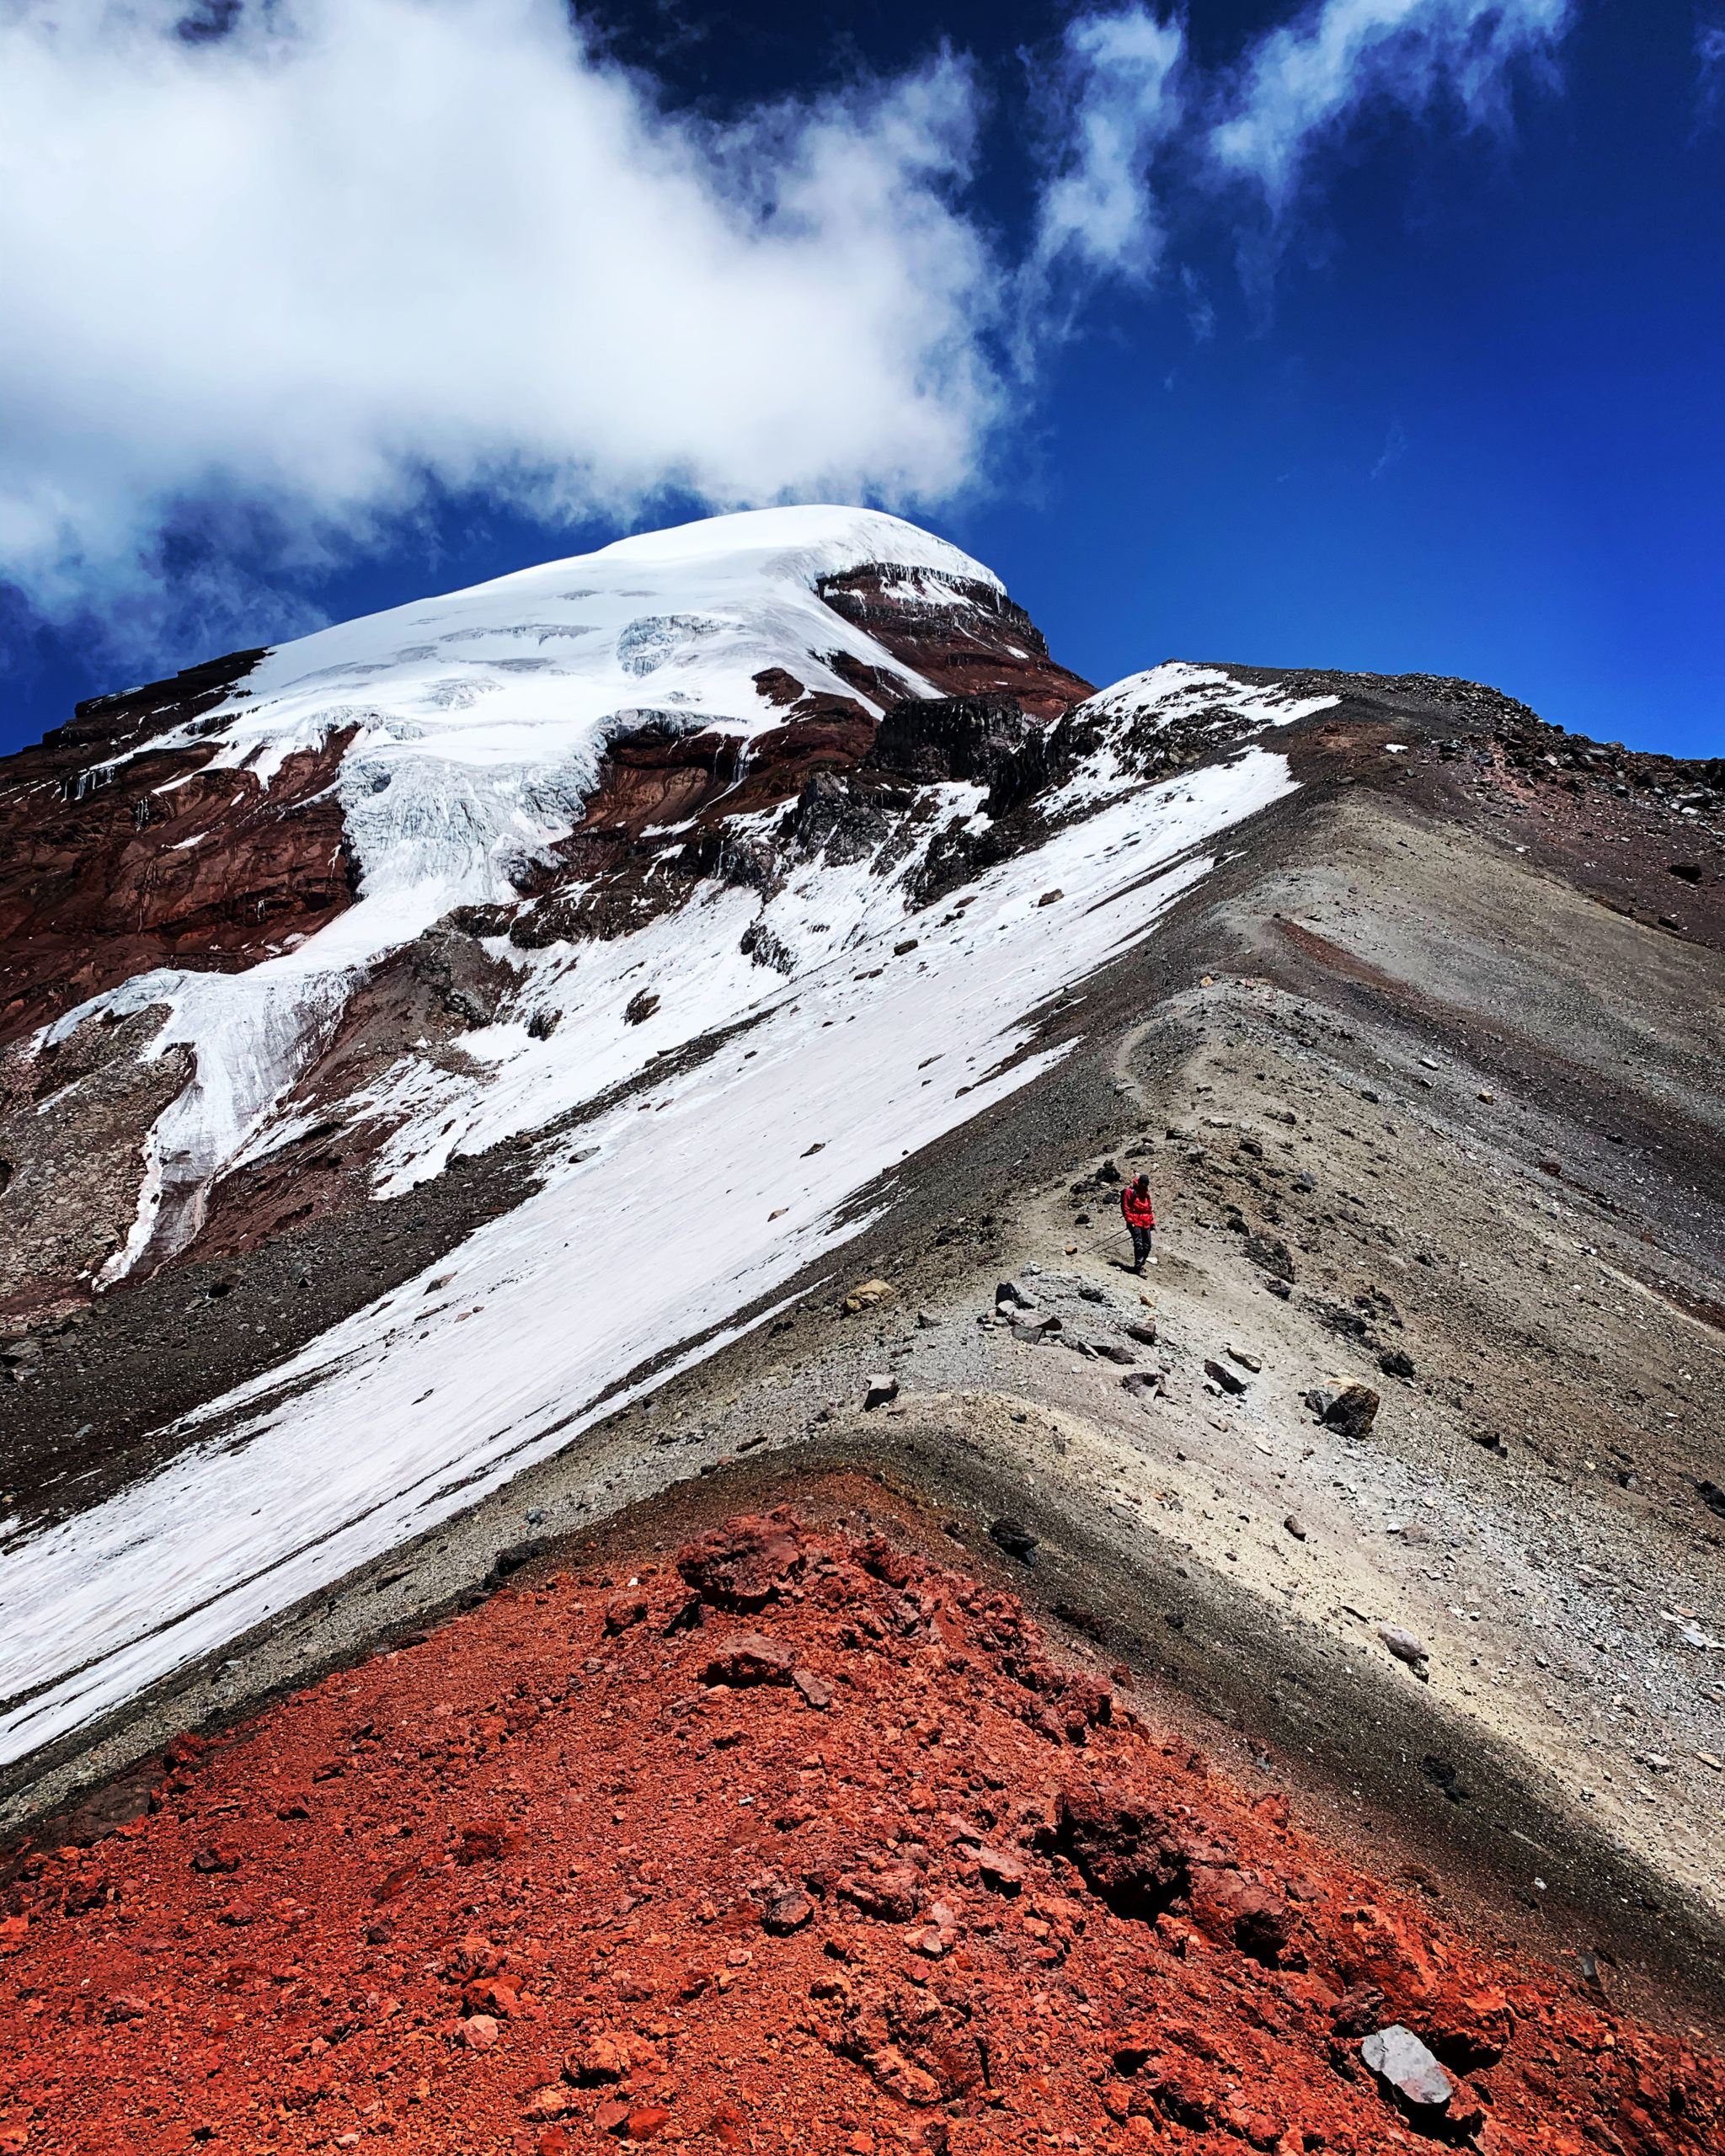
point(741, 856)
point(490, 1087)
point(298, 814)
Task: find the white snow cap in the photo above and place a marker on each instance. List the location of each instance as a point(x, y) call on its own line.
point(529, 666)
point(480, 715)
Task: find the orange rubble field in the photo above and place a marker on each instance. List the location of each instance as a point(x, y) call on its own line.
point(804, 1843)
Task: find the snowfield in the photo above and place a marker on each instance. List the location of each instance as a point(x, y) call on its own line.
point(479, 720)
point(693, 1201)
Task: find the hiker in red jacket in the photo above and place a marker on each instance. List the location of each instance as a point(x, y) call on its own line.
point(1141, 1220)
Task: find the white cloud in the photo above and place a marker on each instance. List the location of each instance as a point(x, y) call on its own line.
point(355, 242)
point(283, 280)
point(1300, 83)
point(1114, 102)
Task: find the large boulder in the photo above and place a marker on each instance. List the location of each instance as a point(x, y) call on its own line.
point(749, 1658)
point(747, 1563)
point(1130, 1854)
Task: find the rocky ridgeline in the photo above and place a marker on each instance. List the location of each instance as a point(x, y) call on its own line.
point(1493, 732)
point(1543, 751)
point(843, 792)
point(805, 1842)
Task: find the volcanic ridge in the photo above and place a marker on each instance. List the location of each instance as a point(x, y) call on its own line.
point(800, 1841)
point(599, 1539)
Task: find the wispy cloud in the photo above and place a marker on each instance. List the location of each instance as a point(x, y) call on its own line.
point(1709, 53)
point(1200, 314)
point(1142, 142)
point(1301, 85)
point(1394, 449)
point(1114, 101)
point(352, 243)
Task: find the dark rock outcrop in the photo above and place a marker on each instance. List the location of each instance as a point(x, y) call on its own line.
point(965, 637)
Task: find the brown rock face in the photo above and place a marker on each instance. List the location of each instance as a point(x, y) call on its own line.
point(72, 1124)
point(965, 638)
point(111, 868)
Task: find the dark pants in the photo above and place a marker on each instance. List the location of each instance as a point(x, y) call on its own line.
point(1140, 1243)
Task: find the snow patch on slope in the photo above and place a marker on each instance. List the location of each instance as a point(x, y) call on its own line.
point(1176, 690)
point(415, 1407)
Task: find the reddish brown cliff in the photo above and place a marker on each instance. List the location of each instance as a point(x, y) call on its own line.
point(118, 854)
point(966, 638)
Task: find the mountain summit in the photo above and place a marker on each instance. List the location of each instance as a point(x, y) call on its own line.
point(213, 864)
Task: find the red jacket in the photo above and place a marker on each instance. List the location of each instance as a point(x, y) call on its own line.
point(1137, 1209)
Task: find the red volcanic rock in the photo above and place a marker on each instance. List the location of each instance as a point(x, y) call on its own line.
point(604, 2060)
point(490, 1995)
point(749, 1658)
point(891, 1895)
point(814, 1689)
point(715, 1918)
point(746, 1564)
point(1129, 1851)
point(482, 1841)
point(1228, 1906)
point(1468, 2029)
point(623, 1611)
point(1002, 1872)
point(787, 1911)
point(479, 2033)
point(779, 685)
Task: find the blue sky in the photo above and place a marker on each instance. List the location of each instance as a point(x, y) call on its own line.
point(1377, 333)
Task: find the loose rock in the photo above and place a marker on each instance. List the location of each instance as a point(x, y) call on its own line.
point(749, 1658)
point(871, 1293)
point(1352, 1409)
point(1405, 1646)
point(1396, 2055)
